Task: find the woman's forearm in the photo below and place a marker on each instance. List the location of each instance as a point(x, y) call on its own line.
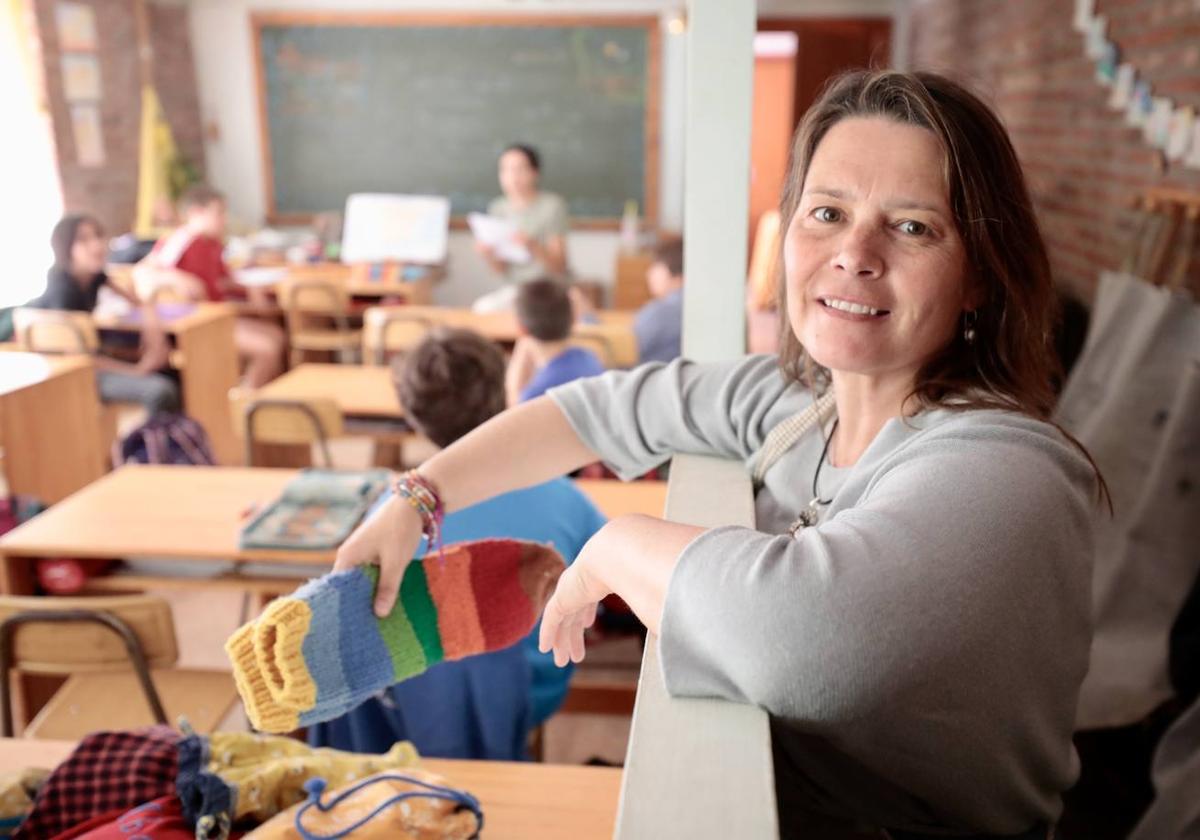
point(526, 445)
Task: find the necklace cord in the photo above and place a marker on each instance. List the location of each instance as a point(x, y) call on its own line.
point(817, 473)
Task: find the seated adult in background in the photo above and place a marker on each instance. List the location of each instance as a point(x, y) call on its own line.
point(543, 356)
point(658, 325)
point(482, 707)
point(190, 261)
point(541, 221)
point(73, 284)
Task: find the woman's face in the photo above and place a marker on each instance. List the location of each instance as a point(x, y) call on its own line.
point(517, 175)
point(89, 251)
point(875, 268)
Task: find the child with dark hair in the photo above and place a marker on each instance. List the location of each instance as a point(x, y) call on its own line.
point(73, 285)
point(483, 707)
point(543, 356)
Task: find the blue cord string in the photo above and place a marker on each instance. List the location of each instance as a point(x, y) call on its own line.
point(315, 787)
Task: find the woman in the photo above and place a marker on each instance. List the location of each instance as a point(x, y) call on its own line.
point(913, 610)
point(540, 219)
point(73, 284)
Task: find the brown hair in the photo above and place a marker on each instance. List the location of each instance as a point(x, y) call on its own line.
point(65, 232)
point(670, 254)
point(544, 309)
point(1011, 364)
point(199, 196)
point(452, 382)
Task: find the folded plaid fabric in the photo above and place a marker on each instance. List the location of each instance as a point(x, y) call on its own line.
point(106, 772)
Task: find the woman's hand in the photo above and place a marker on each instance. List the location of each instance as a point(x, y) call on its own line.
point(632, 556)
point(572, 607)
point(389, 538)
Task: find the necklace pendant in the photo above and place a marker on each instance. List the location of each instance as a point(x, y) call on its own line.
point(808, 517)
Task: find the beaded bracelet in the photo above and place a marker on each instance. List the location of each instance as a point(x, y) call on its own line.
point(424, 498)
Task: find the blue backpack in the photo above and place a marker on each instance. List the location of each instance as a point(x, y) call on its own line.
point(165, 439)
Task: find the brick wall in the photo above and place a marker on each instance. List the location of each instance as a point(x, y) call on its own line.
point(1082, 162)
point(110, 191)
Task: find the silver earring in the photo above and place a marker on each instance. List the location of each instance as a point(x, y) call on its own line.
point(969, 319)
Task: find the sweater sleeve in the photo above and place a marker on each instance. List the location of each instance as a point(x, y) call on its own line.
point(635, 420)
point(968, 550)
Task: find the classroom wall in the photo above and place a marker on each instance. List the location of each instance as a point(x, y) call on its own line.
point(221, 41)
point(110, 190)
point(1083, 163)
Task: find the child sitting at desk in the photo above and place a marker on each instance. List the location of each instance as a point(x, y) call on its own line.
point(543, 356)
point(482, 707)
point(73, 285)
point(190, 261)
point(659, 324)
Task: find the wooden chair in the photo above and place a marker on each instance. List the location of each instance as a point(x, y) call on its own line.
point(111, 649)
point(55, 331)
point(599, 344)
point(310, 305)
point(286, 423)
point(387, 331)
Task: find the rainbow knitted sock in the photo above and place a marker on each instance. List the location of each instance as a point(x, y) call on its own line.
point(321, 651)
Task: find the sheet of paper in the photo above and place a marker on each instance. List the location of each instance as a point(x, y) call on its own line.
point(1122, 90)
point(383, 227)
point(1096, 37)
point(89, 138)
point(1180, 136)
point(1157, 130)
point(76, 24)
point(1085, 10)
point(1192, 161)
point(1140, 105)
point(81, 77)
point(1106, 66)
point(498, 235)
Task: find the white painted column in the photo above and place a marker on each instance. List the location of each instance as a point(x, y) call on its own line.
point(720, 78)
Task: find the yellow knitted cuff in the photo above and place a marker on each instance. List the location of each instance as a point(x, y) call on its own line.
point(279, 649)
point(247, 676)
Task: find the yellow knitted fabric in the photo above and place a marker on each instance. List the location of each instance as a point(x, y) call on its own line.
point(269, 771)
point(279, 648)
point(261, 708)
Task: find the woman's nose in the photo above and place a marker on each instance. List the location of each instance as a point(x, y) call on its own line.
point(858, 254)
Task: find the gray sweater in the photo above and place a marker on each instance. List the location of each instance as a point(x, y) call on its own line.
point(920, 651)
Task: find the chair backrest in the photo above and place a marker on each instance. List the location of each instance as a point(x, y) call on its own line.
point(314, 296)
point(55, 331)
point(280, 421)
point(387, 330)
point(597, 343)
point(764, 262)
point(70, 647)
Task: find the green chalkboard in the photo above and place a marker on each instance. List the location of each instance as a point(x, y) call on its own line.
point(424, 105)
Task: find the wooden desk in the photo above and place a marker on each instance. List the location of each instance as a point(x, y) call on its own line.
point(521, 801)
point(195, 513)
point(50, 426)
point(359, 390)
point(616, 328)
point(159, 512)
point(204, 339)
point(617, 498)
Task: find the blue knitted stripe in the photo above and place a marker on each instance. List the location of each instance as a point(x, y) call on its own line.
point(343, 649)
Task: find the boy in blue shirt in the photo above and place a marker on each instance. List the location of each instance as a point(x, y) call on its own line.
point(543, 356)
point(658, 325)
point(482, 707)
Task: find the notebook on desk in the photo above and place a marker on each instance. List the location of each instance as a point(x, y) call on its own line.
point(316, 512)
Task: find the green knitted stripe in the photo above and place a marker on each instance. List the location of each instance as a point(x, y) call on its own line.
point(418, 603)
point(408, 658)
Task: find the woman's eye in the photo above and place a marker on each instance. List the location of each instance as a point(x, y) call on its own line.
point(913, 228)
point(827, 214)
